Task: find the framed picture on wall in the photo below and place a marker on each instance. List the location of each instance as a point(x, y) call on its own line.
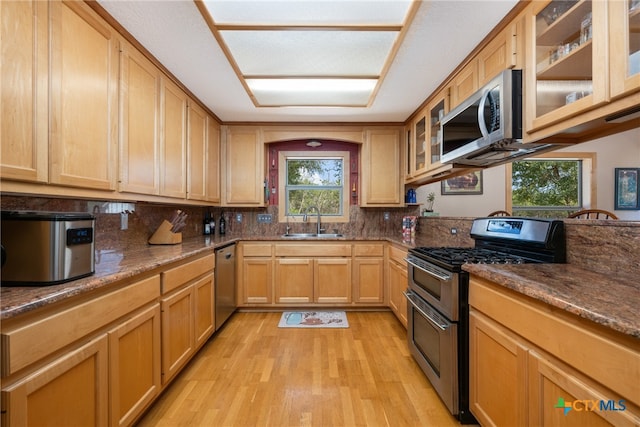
point(627, 189)
point(470, 183)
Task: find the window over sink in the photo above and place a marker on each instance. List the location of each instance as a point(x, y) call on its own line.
point(311, 180)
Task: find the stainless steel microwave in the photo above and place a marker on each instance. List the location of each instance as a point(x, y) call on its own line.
point(486, 128)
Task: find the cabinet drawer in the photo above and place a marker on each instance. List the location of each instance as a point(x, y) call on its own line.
point(32, 341)
point(178, 276)
point(397, 254)
point(368, 249)
point(257, 249)
point(312, 249)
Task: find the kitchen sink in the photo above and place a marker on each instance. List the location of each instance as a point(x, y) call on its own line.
point(312, 235)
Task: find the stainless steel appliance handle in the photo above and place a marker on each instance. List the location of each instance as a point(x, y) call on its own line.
point(433, 273)
point(481, 122)
point(440, 326)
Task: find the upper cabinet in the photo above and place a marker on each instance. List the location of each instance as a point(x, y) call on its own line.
point(583, 66)
point(84, 109)
point(381, 183)
point(196, 152)
point(243, 160)
point(567, 60)
point(23, 89)
point(624, 46)
point(173, 110)
point(212, 172)
point(139, 123)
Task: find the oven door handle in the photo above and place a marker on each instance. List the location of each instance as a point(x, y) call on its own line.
point(444, 277)
point(441, 326)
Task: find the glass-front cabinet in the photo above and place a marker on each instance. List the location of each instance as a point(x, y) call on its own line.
point(420, 147)
point(624, 46)
point(425, 139)
point(569, 60)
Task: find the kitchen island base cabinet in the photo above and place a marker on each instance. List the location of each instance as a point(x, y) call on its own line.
point(71, 391)
point(529, 362)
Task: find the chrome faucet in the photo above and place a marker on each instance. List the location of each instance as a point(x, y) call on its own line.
point(304, 216)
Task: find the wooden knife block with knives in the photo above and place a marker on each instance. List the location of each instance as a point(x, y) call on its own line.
point(169, 232)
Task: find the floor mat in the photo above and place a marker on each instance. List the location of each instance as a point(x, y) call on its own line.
point(313, 319)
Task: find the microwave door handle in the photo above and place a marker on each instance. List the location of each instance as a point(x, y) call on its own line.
point(481, 122)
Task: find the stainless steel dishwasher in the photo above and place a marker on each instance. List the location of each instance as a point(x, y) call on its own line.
point(225, 283)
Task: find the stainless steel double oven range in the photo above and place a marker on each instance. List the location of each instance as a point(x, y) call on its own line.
point(438, 288)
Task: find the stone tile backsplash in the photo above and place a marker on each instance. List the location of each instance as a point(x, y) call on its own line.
point(602, 246)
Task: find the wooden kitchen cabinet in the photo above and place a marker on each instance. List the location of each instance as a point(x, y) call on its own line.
point(332, 280)
point(187, 308)
point(255, 276)
point(368, 273)
point(499, 55)
point(196, 151)
point(519, 369)
point(464, 84)
point(244, 167)
point(293, 280)
point(498, 374)
point(84, 98)
point(212, 169)
point(134, 365)
point(624, 47)
point(65, 378)
point(567, 61)
point(382, 177)
point(173, 147)
point(70, 391)
point(24, 151)
point(312, 272)
point(398, 283)
point(139, 123)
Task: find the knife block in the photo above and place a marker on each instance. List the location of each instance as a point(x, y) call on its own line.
point(164, 236)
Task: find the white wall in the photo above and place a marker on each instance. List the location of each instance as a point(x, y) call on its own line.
point(620, 150)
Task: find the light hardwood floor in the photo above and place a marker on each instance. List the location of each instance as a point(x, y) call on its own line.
point(252, 373)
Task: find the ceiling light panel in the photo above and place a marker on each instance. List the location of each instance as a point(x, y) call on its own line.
point(272, 92)
point(309, 12)
point(310, 53)
point(275, 45)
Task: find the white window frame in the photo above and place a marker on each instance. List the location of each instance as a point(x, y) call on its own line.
point(282, 177)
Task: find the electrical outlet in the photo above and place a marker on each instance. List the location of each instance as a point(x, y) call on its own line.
point(386, 216)
point(238, 217)
point(454, 231)
point(264, 218)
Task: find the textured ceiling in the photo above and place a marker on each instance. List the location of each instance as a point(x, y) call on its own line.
point(441, 35)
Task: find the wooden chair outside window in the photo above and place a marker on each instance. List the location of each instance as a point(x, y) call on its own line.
point(500, 213)
point(593, 214)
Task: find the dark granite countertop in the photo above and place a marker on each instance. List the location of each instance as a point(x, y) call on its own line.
point(112, 266)
point(609, 300)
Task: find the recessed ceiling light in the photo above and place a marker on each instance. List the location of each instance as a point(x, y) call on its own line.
point(309, 52)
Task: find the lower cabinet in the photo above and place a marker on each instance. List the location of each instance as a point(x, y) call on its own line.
point(188, 320)
point(398, 283)
point(530, 366)
point(332, 281)
point(134, 363)
point(111, 353)
point(294, 280)
point(368, 273)
point(70, 391)
point(255, 273)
